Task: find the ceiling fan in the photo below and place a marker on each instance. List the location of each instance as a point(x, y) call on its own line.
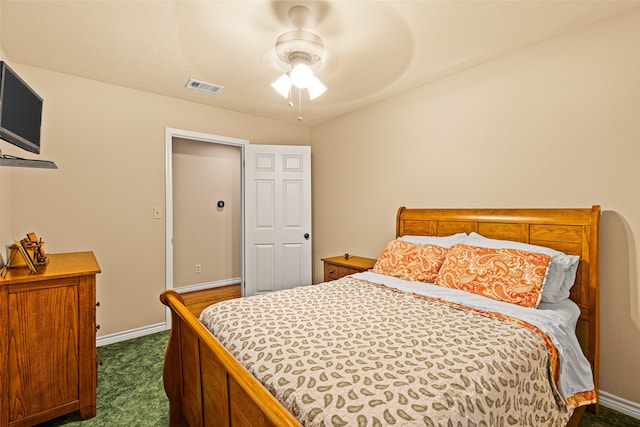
point(301, 49)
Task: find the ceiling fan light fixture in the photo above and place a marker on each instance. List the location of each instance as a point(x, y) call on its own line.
point(301, 75)
point(282, 85)
point(315, 88)
point(301, 49)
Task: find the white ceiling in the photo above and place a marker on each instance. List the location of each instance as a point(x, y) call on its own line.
point(374, 49)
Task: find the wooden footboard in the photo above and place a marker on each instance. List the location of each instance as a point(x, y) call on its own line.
point(205, 385)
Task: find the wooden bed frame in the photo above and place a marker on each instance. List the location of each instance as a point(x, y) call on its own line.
point(207, 386)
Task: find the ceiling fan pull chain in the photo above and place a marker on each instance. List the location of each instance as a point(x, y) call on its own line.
point(300, 104)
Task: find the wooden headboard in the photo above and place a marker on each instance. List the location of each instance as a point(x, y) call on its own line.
point(572, 231)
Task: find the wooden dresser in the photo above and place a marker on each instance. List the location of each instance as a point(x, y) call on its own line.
point(48, 340)
point(339, 266)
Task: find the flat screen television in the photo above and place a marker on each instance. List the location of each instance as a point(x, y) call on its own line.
point(20, 111)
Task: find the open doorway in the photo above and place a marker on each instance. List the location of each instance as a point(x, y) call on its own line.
point(204, 211)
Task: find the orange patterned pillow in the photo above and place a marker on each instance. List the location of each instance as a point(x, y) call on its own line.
point(410, 261)
point(509, 275)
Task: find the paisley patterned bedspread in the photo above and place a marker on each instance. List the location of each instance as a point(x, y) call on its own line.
point(349, 352)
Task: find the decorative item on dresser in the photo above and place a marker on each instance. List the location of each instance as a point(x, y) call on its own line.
point(48, 340)
point(343, 265)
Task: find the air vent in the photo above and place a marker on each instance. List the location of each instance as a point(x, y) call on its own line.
point(204, 86)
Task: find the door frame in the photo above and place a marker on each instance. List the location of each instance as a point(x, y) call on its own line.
point(170, 134)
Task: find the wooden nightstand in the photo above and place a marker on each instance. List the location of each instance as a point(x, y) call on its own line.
point(339, 266)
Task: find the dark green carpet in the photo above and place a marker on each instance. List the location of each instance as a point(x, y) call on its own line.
point(130, 391)
point(608, 418)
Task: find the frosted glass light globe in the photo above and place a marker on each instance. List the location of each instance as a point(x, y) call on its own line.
point(301, 76)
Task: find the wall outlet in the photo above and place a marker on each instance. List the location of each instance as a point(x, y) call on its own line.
point(198, 268)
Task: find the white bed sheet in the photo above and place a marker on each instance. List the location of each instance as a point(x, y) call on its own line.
point(556, 320)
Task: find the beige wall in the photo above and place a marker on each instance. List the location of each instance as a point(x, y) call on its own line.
point(108, 143)
point(203, 234)
point(6, 233)
point(5, 196)
point(5, 187)
point(554, 125)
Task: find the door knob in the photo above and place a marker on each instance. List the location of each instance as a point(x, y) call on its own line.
point(306, 236)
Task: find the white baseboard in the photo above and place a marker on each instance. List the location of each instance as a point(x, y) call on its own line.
point(619, 404)
point(159, 327)
point(130, 334)
point(208, 285)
